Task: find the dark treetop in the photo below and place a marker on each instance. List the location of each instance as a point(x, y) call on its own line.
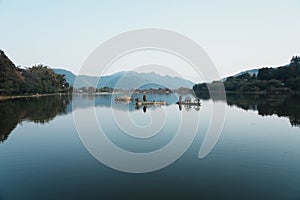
point(37, 79)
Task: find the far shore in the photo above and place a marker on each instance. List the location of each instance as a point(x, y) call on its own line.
point(257, 92)
point(109, 93)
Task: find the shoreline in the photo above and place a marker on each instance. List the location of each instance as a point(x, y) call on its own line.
point(261, 92)
point(108, 93)
point(30, 96)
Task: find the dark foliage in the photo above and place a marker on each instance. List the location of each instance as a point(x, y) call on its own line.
point(37, 79)
point(284, 79)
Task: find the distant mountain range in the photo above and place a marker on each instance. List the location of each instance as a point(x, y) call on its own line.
point(126, 80)
point(251, 72)
point(40, 79)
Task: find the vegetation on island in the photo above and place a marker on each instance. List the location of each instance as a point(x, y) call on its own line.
point(33, 80)
point(285, 79)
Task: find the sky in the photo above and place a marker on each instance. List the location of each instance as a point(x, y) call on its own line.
point(236, 35)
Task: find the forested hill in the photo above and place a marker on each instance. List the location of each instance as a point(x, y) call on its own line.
point(280, 79)
point(37, 79)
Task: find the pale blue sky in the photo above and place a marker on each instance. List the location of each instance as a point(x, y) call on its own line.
point(237, 35)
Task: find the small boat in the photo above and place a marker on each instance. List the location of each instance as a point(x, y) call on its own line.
point(188, 102)
point(124, 98)
point(139, 103)
point(146, 103)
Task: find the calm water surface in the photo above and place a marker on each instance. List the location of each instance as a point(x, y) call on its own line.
point(256, 157)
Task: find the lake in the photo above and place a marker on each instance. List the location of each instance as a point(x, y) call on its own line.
point(51, 148)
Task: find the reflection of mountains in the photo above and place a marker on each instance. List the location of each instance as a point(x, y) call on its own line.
point(38, 110)
point(271, 104)
point(44, 109)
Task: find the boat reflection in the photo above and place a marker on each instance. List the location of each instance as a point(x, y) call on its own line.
point(45, 109)
point(188, 103)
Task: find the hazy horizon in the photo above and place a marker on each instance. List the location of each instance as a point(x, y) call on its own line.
point(236, 35)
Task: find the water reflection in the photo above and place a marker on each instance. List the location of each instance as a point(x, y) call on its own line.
point(282, 105)
point(44, 109)
point(188, 103)
point(145, 108)
point(274, 104)
point(37, 110)
point(188, 107)
point(85, 101)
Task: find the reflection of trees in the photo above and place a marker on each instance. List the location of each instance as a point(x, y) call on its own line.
point(215, 96)
point(280, 105)
point(38, 110)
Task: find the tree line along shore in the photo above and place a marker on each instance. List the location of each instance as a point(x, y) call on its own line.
point(285, 79)
point(40, 80)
